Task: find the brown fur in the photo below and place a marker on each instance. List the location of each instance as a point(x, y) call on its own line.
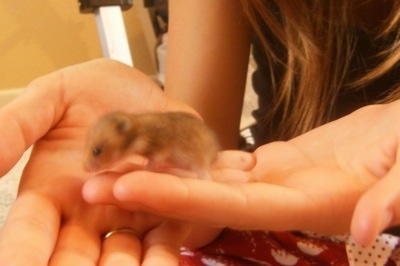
point(176, 139)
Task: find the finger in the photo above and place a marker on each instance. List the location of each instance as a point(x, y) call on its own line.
point(121, 249)
point(212, 203)
point(378, 208)
point(230, 175)
point(23, 130)
point(76, 245)
point(234, 159)
point(162, 244)
point(29, 234)
point(99, 189)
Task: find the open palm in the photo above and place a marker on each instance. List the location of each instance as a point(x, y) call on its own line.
point(50, 223)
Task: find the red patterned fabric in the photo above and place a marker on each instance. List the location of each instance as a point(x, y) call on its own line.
point(242, 248)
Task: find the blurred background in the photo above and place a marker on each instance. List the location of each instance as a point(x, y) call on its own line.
point(38, 37)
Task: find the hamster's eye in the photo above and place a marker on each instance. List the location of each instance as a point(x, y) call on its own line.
point(97, 151)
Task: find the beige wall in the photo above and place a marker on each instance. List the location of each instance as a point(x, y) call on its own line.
point(37, 37)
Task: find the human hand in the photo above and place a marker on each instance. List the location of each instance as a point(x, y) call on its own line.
point(340, 175)
point(50, 223)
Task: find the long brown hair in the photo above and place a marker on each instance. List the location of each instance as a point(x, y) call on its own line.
point(320, 42)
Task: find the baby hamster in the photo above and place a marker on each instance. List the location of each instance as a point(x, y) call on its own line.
point(175, 139)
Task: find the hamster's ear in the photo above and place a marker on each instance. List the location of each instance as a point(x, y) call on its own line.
point(123, 125)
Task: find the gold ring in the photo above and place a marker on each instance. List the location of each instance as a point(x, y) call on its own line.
point(118, 231)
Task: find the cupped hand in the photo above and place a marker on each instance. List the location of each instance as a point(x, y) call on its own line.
point(340, 177)
point(50, 223)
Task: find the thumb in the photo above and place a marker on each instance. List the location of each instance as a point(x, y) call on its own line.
point(378, 208)
point(28, 117)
